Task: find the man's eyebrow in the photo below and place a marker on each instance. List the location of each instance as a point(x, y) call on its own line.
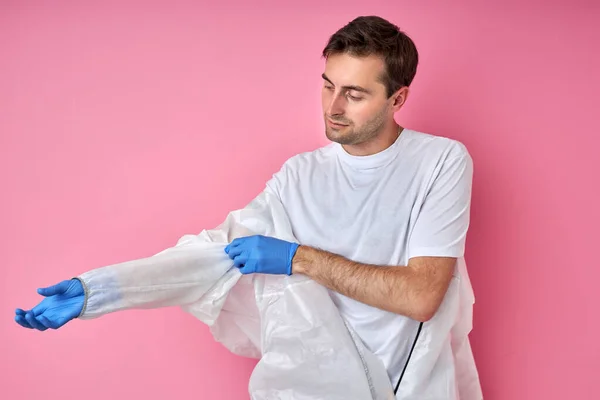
point(348, 87)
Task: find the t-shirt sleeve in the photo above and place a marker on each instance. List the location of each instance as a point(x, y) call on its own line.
point(440, 229)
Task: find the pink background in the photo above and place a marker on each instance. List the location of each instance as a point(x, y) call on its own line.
point(125, 125)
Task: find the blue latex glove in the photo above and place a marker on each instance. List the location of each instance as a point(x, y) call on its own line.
point(63, 302)
point(262, 254)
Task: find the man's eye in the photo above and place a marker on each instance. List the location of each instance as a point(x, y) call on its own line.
point(354, 98)
point(328, 87)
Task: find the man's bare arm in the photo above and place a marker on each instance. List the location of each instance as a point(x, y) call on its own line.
point(415, 290)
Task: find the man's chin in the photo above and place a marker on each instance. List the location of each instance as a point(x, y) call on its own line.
point(338, 137)
point(333, 136)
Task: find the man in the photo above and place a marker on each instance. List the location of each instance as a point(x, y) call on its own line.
point(381, 214)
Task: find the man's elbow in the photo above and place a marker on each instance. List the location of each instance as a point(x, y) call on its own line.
point(431, 280)
point(424, 315)
point(424, 310)
point(429, 306)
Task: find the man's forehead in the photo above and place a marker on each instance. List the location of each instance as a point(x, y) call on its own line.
point(344, 69)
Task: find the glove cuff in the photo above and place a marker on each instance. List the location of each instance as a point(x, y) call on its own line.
point(85, 296)
point(293, 249)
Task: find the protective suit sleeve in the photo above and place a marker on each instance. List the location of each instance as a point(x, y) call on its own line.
point(177, 276)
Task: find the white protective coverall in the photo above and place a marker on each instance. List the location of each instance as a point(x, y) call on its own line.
point(305, 348)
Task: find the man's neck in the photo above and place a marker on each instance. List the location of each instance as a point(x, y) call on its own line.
point(376, 145)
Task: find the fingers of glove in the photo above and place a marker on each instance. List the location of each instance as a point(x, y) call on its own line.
point(41, 307)
point(235, 243)
point(242, 241)
point(240, 260)
point(20, 311)
point(53, 323)
point(45, 322)
point(20, 319)
point(248, 268)
point(236, 252)
point(35, 324)
point(59, 288)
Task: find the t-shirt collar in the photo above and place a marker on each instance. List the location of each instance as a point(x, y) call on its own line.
point(376, 160)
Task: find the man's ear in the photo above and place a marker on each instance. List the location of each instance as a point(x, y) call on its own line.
point(399, 98)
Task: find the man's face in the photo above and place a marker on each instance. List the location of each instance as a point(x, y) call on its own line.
point(355, 103)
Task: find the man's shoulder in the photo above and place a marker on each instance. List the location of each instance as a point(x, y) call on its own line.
point(435, 147)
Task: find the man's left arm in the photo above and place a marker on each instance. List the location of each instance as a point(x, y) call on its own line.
point(415, 290)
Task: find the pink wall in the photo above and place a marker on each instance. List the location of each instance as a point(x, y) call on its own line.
point(124, 127)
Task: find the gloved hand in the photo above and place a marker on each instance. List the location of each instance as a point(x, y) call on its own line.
point(63, 302)
point(262, 254)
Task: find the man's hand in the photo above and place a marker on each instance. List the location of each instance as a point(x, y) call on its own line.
point(261, 254)
point(63, 302)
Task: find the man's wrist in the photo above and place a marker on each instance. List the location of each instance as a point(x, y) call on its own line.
point(302, 260)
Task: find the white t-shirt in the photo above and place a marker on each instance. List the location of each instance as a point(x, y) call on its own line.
point(412, 199)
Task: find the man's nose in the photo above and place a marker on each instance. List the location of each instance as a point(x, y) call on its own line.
point(336, 105)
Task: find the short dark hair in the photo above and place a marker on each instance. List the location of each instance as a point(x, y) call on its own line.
point(372, 35)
